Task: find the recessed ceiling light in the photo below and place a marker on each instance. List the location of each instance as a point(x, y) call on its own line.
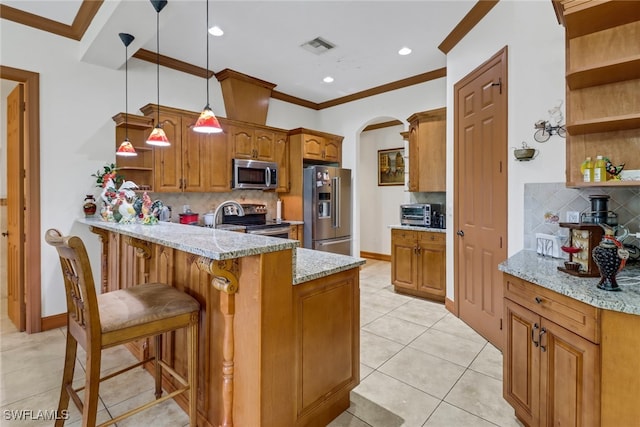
point(328, 79)
point(216, 31)
point(404, 51)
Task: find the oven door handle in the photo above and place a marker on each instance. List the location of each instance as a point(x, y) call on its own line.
point(269, 231)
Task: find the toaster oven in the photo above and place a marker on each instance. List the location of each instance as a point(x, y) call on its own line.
point(422, 215)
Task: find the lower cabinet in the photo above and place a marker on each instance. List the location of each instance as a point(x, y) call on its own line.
point(568, 363)
point(418, 263)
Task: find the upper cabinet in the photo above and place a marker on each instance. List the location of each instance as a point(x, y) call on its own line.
point(138, 169)
point(250, 143)
point(602, 83)
point(320, 147)
point(193, 162)
point(427, 151)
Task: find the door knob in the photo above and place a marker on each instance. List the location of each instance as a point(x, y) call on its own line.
point(460, 233)
point(5, 234)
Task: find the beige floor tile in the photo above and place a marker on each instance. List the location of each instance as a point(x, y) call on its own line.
point(123, 387)
point(449, 347)
point(454, 326)
point(422, 312)
point(398, 330)
point(423, 371)
point(489, 362)
point(14, 339)
point(375, 350)
point(449, 416)
point(365, 371)
point(383, 303)
point(167, 413)
point(368, 315)
point(382, 401)
point(32, 353)
point(481, 395)
point(347, 419)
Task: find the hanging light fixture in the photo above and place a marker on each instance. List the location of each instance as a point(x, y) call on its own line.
point(126, 149)
point(157, 136)
point(207, 122)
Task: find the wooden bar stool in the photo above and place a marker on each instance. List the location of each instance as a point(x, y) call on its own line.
point(97, 322)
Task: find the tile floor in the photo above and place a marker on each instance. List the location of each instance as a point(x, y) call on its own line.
point(420, 366)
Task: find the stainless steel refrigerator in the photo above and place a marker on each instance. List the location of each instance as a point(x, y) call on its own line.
point(327, 209)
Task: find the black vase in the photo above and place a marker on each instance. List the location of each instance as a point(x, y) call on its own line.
point(606, 258)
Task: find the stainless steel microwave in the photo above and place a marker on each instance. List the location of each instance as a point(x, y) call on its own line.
point(254, 174)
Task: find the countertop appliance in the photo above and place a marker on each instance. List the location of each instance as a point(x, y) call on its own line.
point(254, 174)
point(327, 209)
point(422, 215)
point(255, 220)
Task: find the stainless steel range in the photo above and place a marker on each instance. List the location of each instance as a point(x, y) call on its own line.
point(255, 221)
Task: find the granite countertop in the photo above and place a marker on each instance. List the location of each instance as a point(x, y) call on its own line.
point(543, 271)
point(221, 244)
point(417, 228)
point(312, 264)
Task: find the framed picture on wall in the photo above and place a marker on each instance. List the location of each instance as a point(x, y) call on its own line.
point(391, 166)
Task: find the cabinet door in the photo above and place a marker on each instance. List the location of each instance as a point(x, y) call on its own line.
point(403, 259)
point(414, 161)
point(168, 160)
point(241, 139)
point(333, 151)
point(216, 163)
point(264, 147)
point(281, 154)
point(521, 362)
point(569, 377)
point(431, 265)
point(431, 155)
point(313, 147)
point(194, 156)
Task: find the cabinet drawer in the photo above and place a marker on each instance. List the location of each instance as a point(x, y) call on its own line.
point(571, 314)
point(404, 234)
point(431, 237)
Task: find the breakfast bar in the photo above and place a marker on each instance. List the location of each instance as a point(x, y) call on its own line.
point(279, 325)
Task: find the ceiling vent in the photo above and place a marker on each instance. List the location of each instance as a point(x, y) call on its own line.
point(318, 45)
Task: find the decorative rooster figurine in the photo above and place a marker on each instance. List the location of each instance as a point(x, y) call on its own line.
point(612, 170)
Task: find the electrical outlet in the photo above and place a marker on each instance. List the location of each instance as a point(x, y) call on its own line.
point(573, 216)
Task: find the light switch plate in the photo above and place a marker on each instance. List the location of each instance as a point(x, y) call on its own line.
point(573, 216)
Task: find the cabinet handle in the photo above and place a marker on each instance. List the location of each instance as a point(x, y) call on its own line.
point(538, 300)
point(533, 330)
point(542, 332)
point(415, 249)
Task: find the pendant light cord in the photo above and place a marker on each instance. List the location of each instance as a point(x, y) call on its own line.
point(126, 92)
point(158, 65)
point(207, 34)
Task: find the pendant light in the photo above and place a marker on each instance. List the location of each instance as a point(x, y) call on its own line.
point(207, 122)
point(126, 149)
point(157, 136)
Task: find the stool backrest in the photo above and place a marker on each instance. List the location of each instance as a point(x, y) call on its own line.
point(82, 306)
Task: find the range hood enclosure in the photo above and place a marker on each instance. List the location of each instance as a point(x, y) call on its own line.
point(245, 98)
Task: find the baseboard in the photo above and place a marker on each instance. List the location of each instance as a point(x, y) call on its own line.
point(451, 306)
point(53, 322)
point(373, 255)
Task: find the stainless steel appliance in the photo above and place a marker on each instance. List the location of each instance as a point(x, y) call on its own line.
point(327, 209)
point(254, 174)
point(255, 221)
point(422, 215)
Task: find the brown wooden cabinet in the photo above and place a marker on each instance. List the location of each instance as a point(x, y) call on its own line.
point(307, 147)
point(138, 169)
point(566, 362)
point(251, 143)
point(193, 162)
point(602, 82)
point(427, 151)
point(418, 261)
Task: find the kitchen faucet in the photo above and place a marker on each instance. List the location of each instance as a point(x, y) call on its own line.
point(222, 205)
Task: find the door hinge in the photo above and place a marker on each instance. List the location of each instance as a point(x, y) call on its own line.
point(499, 84)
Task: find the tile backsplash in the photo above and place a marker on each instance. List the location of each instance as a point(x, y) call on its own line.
point(547, 204)
point(201, 203)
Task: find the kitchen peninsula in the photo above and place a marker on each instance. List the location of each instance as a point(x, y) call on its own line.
point(279, 325)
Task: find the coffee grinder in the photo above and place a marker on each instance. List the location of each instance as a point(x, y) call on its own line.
point(585, 236)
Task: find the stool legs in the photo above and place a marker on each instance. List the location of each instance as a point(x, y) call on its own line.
point(158, 368)
point(192, 374)
point(92, 385)
point(67, 378)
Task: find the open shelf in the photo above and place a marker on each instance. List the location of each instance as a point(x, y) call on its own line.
point(586, 17)
point(606, 72)
point(609, 184)
point(608, 124)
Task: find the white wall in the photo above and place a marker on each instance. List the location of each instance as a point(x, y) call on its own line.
point(378, 204)
point(77, 101)
point(536, 71)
